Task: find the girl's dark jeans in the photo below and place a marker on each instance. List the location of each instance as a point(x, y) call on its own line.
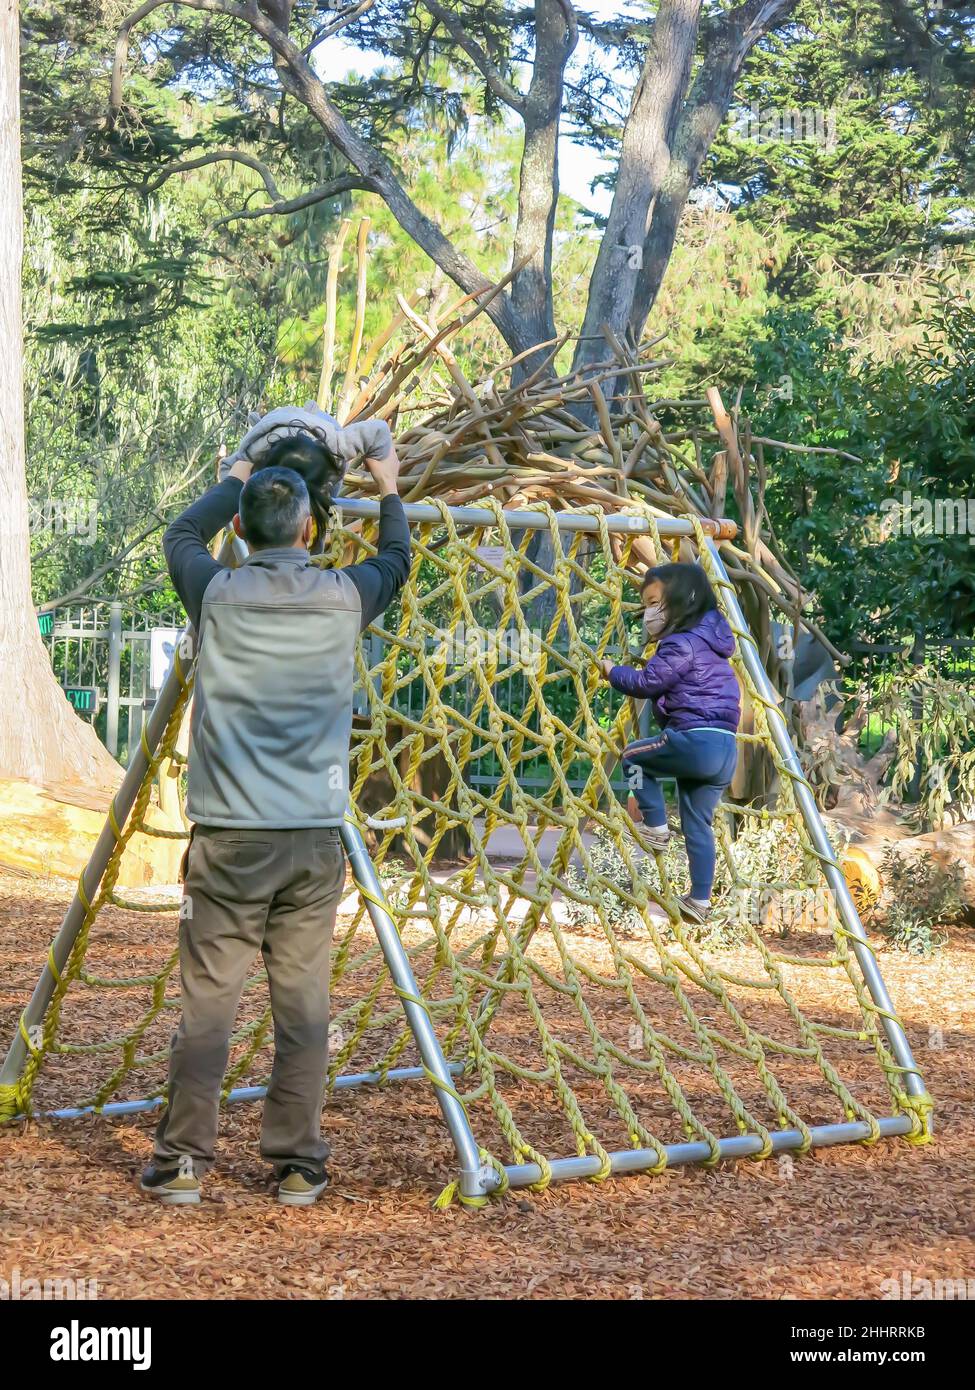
point(703, 762)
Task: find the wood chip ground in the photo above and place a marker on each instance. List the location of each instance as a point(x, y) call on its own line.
point(837, 1224)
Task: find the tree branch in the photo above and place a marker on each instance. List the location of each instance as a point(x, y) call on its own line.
point(503, 89)
point(911, 26)
point(336, 25)
point(279, 206)
point(300, 80)
point(285, 206)
point(182, 166)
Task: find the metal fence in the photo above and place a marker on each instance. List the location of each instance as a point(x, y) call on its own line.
point(952, 657)
point(102, 654)
point(872, 662)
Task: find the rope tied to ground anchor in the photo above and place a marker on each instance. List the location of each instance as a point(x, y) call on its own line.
point(485, 715)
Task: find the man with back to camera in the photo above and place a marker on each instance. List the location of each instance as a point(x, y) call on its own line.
point(267, 791)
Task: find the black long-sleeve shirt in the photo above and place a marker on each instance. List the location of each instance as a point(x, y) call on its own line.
point(192, 567)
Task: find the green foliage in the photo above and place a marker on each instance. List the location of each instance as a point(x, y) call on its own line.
point(885, 171)
point(763, 853)
point(717, 302)
point(932, 719)
point(607, 861)
point(919, 897)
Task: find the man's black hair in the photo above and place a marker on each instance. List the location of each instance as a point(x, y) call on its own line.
point(687, 595)
point(273, 508)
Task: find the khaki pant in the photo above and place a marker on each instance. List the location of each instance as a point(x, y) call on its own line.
point(274, 891)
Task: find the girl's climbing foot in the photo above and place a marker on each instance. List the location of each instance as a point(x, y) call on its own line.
point(694, 910)
point(653, 838)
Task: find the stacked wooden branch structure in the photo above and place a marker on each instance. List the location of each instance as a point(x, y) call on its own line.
point(523, 434)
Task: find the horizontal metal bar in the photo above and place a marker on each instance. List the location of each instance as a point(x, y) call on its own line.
point(530, 520)
point(740, 1146)
point(101, 634)
point(243, 1093)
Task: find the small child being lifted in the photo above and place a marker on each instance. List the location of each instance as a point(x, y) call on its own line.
point(697, 704)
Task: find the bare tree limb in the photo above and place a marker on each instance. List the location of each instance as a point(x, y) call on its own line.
point(300, 80)
point(336, 25)
point(503, 89)
point(285, 206)
point(182, 166)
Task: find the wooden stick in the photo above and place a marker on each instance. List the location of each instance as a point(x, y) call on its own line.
point(348, 386)
point(331, 289)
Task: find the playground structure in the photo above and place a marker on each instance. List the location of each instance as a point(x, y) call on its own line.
point(567, 1058)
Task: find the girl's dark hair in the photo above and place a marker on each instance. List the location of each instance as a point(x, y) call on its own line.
point(687, 595)
point(312, 459)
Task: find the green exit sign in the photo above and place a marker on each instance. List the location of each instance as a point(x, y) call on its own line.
point(45, 621)
point(83, 698)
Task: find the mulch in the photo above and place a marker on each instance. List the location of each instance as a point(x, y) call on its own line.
point(835, 1224)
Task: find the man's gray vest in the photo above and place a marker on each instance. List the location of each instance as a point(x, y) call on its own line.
point(272, 710)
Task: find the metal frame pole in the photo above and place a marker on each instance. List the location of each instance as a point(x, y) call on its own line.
point(806, 802)
point(122, 804)
point(418, 512)
point(114, 675)
point(473, 1174)
point(729, 1150)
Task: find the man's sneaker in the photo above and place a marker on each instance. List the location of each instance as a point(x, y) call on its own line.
point(300, 1187)
point(691, 912)
point(177, 1187)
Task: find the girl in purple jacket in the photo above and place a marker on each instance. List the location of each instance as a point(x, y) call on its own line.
point(697, 705)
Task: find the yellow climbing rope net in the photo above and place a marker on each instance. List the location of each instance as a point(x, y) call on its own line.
point(578, 1013)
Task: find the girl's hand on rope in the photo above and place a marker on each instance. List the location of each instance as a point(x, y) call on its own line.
point(605, 667)
point(385, 472)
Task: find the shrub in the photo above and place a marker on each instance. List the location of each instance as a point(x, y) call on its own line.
point(919, 897)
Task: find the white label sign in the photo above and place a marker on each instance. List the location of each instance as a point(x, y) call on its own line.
point(162, 647)
point(491, 555)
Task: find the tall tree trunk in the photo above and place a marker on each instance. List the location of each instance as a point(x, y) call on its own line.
point(667, 136)
point(644, 159)
point(538, 187)
point(707, 106)
point(41, 738)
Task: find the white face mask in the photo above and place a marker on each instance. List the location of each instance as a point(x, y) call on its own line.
point(654, 621)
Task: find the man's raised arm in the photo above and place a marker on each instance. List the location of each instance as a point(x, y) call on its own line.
point(185, 541)
point(380, 578)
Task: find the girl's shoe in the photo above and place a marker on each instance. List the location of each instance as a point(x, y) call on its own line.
point(692, 912)
point(654, 839)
